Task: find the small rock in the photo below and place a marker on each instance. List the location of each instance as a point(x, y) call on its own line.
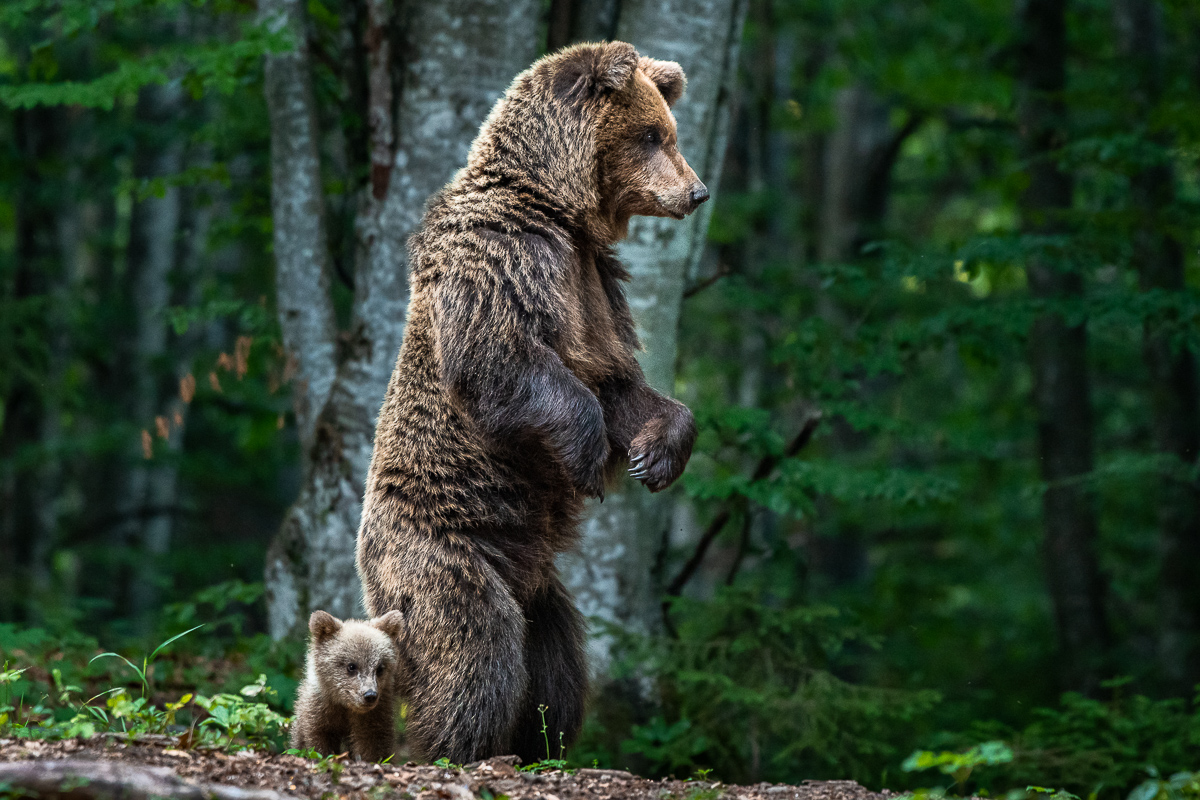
point(779, 789)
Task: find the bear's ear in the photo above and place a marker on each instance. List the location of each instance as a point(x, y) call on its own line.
point(391, 623)
point(593, 69)
point(666, 75)
point(322, 625)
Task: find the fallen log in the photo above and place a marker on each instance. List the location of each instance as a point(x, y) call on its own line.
point(85, 779)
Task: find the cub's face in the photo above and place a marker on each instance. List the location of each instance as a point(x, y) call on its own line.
point(641, 170)
point(355, 662)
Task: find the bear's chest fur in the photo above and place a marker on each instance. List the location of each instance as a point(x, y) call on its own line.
point(589, 345)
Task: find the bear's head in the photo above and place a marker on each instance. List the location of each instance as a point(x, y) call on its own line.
point(355, 662)
point(592, 125)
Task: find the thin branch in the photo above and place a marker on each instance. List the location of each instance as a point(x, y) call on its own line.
point(700, 286)
point(743, 546)
point(765, 467)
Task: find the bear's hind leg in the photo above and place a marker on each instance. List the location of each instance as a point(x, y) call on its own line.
point(466, 667)
point(557, 664)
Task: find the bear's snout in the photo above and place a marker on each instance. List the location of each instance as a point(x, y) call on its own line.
point(370, 696)
point(699, 194)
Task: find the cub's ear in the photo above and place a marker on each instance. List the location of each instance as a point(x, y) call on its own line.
point(391, 623)
point(666, 75)
point(588, 70)
point(322, 625)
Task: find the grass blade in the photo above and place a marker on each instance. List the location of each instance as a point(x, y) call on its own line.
point(158, 649)
point(132, 665)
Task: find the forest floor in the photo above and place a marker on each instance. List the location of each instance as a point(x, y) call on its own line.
point(105, 766)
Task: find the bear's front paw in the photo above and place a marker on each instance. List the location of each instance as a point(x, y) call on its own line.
point(660, 451)
point(585, 461)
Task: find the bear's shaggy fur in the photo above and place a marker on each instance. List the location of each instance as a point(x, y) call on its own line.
point(347, 699)
point(516, 394)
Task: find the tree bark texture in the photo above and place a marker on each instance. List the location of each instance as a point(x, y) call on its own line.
point(1174, 394)
point(306, 319)
point(1058, 355)
point(298, 211)
point(611, 575)
point(459, 59)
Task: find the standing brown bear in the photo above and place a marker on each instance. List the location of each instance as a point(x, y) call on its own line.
point(516, 394)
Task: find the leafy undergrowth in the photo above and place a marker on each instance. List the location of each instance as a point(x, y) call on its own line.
point(748, 692)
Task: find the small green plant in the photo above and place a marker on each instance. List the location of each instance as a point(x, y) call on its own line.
point(1180, 786)
point(446, 763)
point(330, 764)
point(7, 678)
point(959, 765)
point(240, 717)
point(548, 764)
point(709, 792)
point(1051, 794)
point(143, 672)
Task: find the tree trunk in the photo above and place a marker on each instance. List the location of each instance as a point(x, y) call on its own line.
point(1058, 355)
point(460, 59)
point(612, 575)
point(298, 211)
point(306, 316)
point(38, 138)
point(1174, 395)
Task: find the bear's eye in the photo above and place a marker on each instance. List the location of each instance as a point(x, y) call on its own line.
point(351, 669)
point(379, 670)
point(652, 136)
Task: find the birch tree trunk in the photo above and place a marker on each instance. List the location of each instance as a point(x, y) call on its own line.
point(1174, 392)
point(1058, 356)
point(612, 575)
point(306, 316)
point(461, 57)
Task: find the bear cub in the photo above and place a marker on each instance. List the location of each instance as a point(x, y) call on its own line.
point(347, 699)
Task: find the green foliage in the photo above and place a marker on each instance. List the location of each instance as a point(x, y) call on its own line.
point(244, 715)
point(959, 765)
point(1180, 786)
point(749, 680)
point(1092, 746)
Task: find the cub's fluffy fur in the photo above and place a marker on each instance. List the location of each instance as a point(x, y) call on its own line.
point(347, 700)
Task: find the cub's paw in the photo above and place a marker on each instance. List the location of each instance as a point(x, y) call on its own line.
point(660, 451)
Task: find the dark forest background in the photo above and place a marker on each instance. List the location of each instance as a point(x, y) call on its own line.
point(940, 335)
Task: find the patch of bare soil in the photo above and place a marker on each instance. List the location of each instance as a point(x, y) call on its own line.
point(152, 767)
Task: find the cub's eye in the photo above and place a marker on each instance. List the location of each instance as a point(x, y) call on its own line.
point(351, 669)
point(379, 670)
point(652, 137)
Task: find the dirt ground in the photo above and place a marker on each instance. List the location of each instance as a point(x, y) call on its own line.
point(153, 767)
